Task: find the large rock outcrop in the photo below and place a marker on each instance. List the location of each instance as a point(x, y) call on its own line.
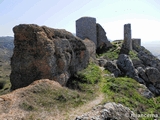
point(112, 67)
point(91, 47)
point(42, 52)
point(102, 41)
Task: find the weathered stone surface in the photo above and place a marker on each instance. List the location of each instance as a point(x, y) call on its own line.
point(153, 89)
point(147, 58)
point(138, 63)
point(102, 42)
point(102, 62)
point(153, 75)
point(125, 64)
point(127, 44)
point(112, 67)
point(109, 111)
point(86, 28)
point(91, 48)
point(144, 91)
point(141, 73)
point(127, 36)
point(42, 52)
point(136, 42)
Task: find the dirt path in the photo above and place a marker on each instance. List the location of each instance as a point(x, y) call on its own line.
point(84, 108)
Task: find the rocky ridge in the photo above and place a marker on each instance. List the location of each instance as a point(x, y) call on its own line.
point(43, 52)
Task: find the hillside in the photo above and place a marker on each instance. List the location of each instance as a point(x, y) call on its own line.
point(55, 75)
point(44, 99)
point(153, 47)
point(6, 51)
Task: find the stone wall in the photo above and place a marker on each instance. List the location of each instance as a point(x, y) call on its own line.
point(136, 41)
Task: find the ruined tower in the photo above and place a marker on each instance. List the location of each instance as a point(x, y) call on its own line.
point(86, 28)
point(127, 37)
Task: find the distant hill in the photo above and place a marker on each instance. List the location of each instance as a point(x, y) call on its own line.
point(6, 48)
point(153, 47)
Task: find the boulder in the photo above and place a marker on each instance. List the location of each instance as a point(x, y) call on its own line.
point(144, 91)
point(45, 53)
point(153, 75)
point(102, 42)
point(109, 111)
point(91, 47)
point(125, 64)
point(142, 74)
point(154, 90)
point(138, 63)
point(101, 62)
point(112, 67)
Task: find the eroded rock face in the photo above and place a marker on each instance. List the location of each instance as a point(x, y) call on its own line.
point(153, 75)
point(112, 67)
point(125, 64)
point(147, 57)
point(102, 41)
point(91, 47)
point(42, 52)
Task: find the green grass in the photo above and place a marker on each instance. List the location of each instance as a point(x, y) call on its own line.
point(133, 55)
point(124, 90)
point(113, 52)
point(90, 75)
point(4, 78)
point(85, 86)
point(49, 99)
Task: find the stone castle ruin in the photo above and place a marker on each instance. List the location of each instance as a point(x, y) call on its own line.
point(86, 27)
point(41, 52)
point(129, 42)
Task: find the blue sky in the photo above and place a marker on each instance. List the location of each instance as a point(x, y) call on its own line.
point(144, 15)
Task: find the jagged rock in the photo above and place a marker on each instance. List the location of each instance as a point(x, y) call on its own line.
point(91, 48)
point(137, 63)
point(112, 67)
point(102, 62)
point(109, 111)
point(125, 64)
point(141, 73)
point(102, 42)
point(153, 89)
point(146, 57)
point(42, 52)
point(153, 75)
